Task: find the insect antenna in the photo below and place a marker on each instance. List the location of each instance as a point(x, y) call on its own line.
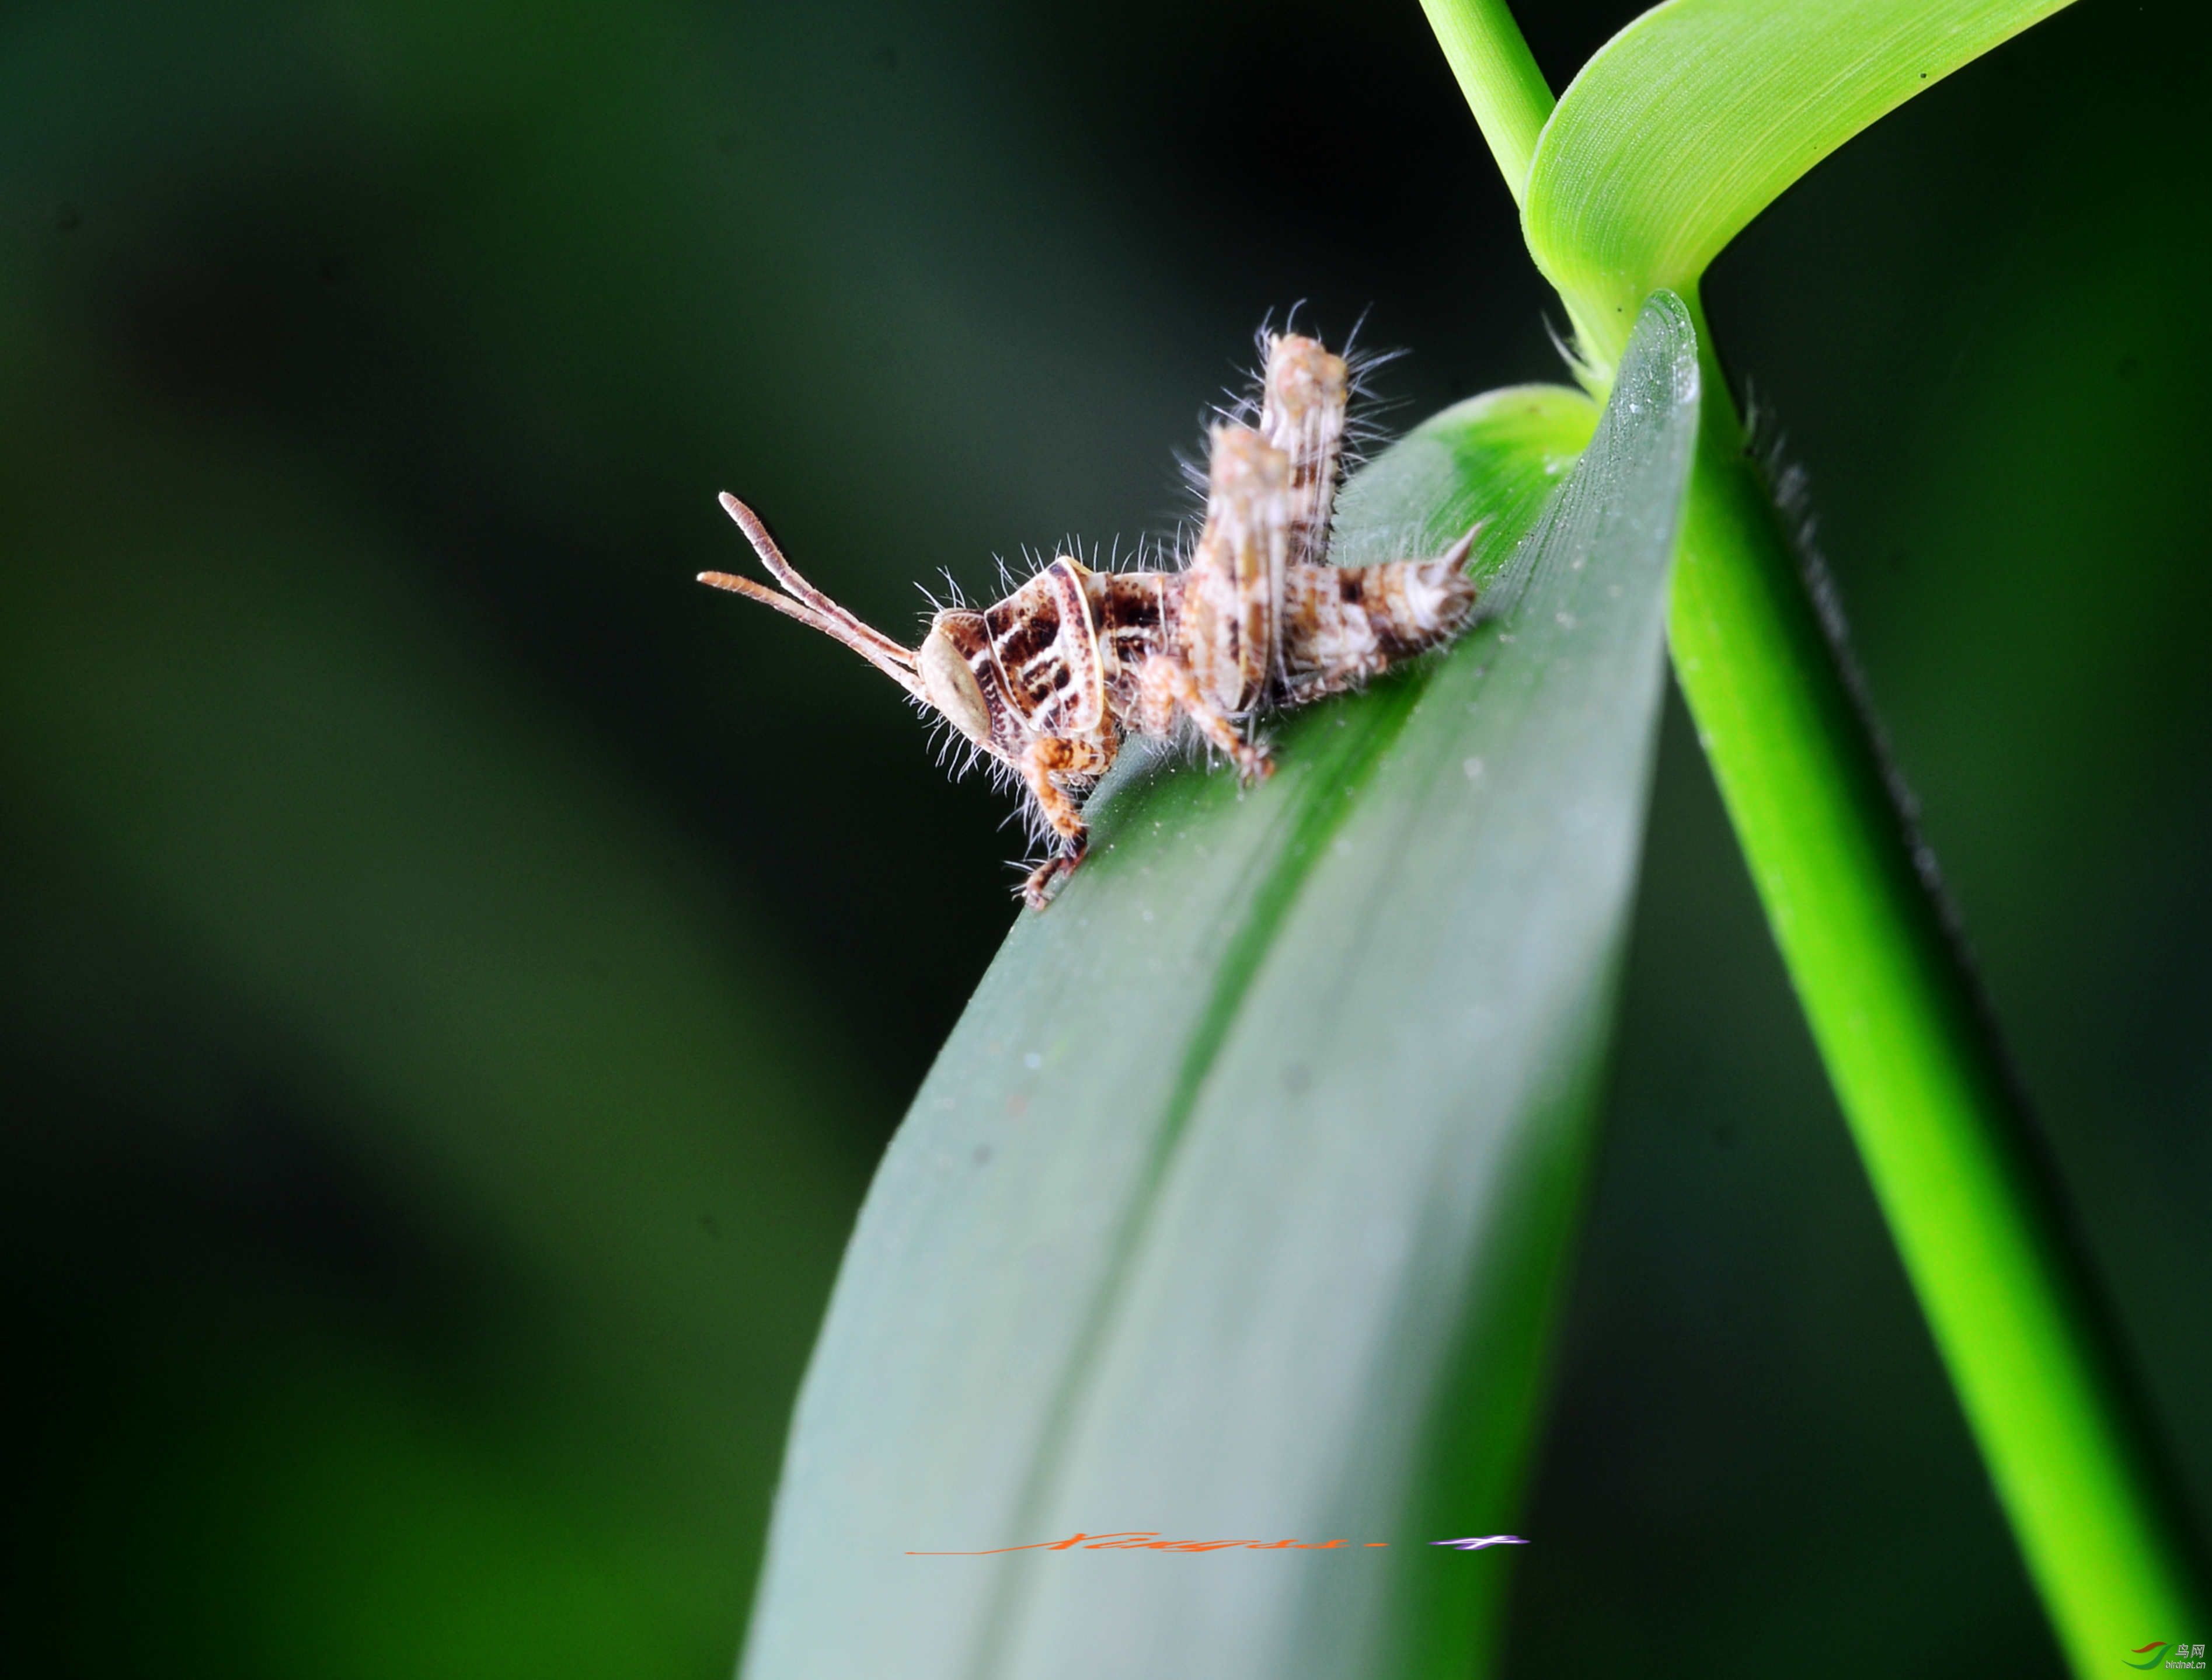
point(804, 602)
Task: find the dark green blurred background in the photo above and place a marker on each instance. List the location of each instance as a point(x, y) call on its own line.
point(459, 974)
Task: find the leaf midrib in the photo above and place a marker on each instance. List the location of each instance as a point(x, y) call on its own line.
point(1284, 877)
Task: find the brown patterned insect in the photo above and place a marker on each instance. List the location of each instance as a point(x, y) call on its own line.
point(1047, 682)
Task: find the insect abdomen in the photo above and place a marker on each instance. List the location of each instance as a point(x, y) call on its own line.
point(1342, 624)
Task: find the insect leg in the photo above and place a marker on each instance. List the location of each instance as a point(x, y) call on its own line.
point(1044, 759)
point(1165, 686)
point(1303, 396)
point(1230, 629)
point(1045, 882)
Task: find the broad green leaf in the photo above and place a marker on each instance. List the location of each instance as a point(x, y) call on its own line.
point(1233, 1209)
point(1700, 113)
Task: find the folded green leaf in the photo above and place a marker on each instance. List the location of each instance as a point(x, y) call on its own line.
point(1697, 116)
point(1232, 1210)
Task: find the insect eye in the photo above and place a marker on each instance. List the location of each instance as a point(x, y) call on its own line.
point(951, 685)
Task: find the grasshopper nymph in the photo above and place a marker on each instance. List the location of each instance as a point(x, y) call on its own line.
point(1048, 681)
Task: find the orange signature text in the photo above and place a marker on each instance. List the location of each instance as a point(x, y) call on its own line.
point(1148, 1540)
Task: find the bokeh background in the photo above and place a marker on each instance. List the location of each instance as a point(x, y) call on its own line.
point(458, 974)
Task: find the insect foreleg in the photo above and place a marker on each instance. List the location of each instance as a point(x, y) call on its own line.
point(1045, 760)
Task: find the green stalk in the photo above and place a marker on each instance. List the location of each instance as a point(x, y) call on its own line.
point(1954, 1164)
point(1507, 92)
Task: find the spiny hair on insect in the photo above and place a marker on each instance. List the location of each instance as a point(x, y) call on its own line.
point(1360, 365)
point(1153, 553)
point(1364, 429)
point(955, 596)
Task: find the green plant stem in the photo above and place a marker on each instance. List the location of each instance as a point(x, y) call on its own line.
point(1498, 75)
point(1953, 1161)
